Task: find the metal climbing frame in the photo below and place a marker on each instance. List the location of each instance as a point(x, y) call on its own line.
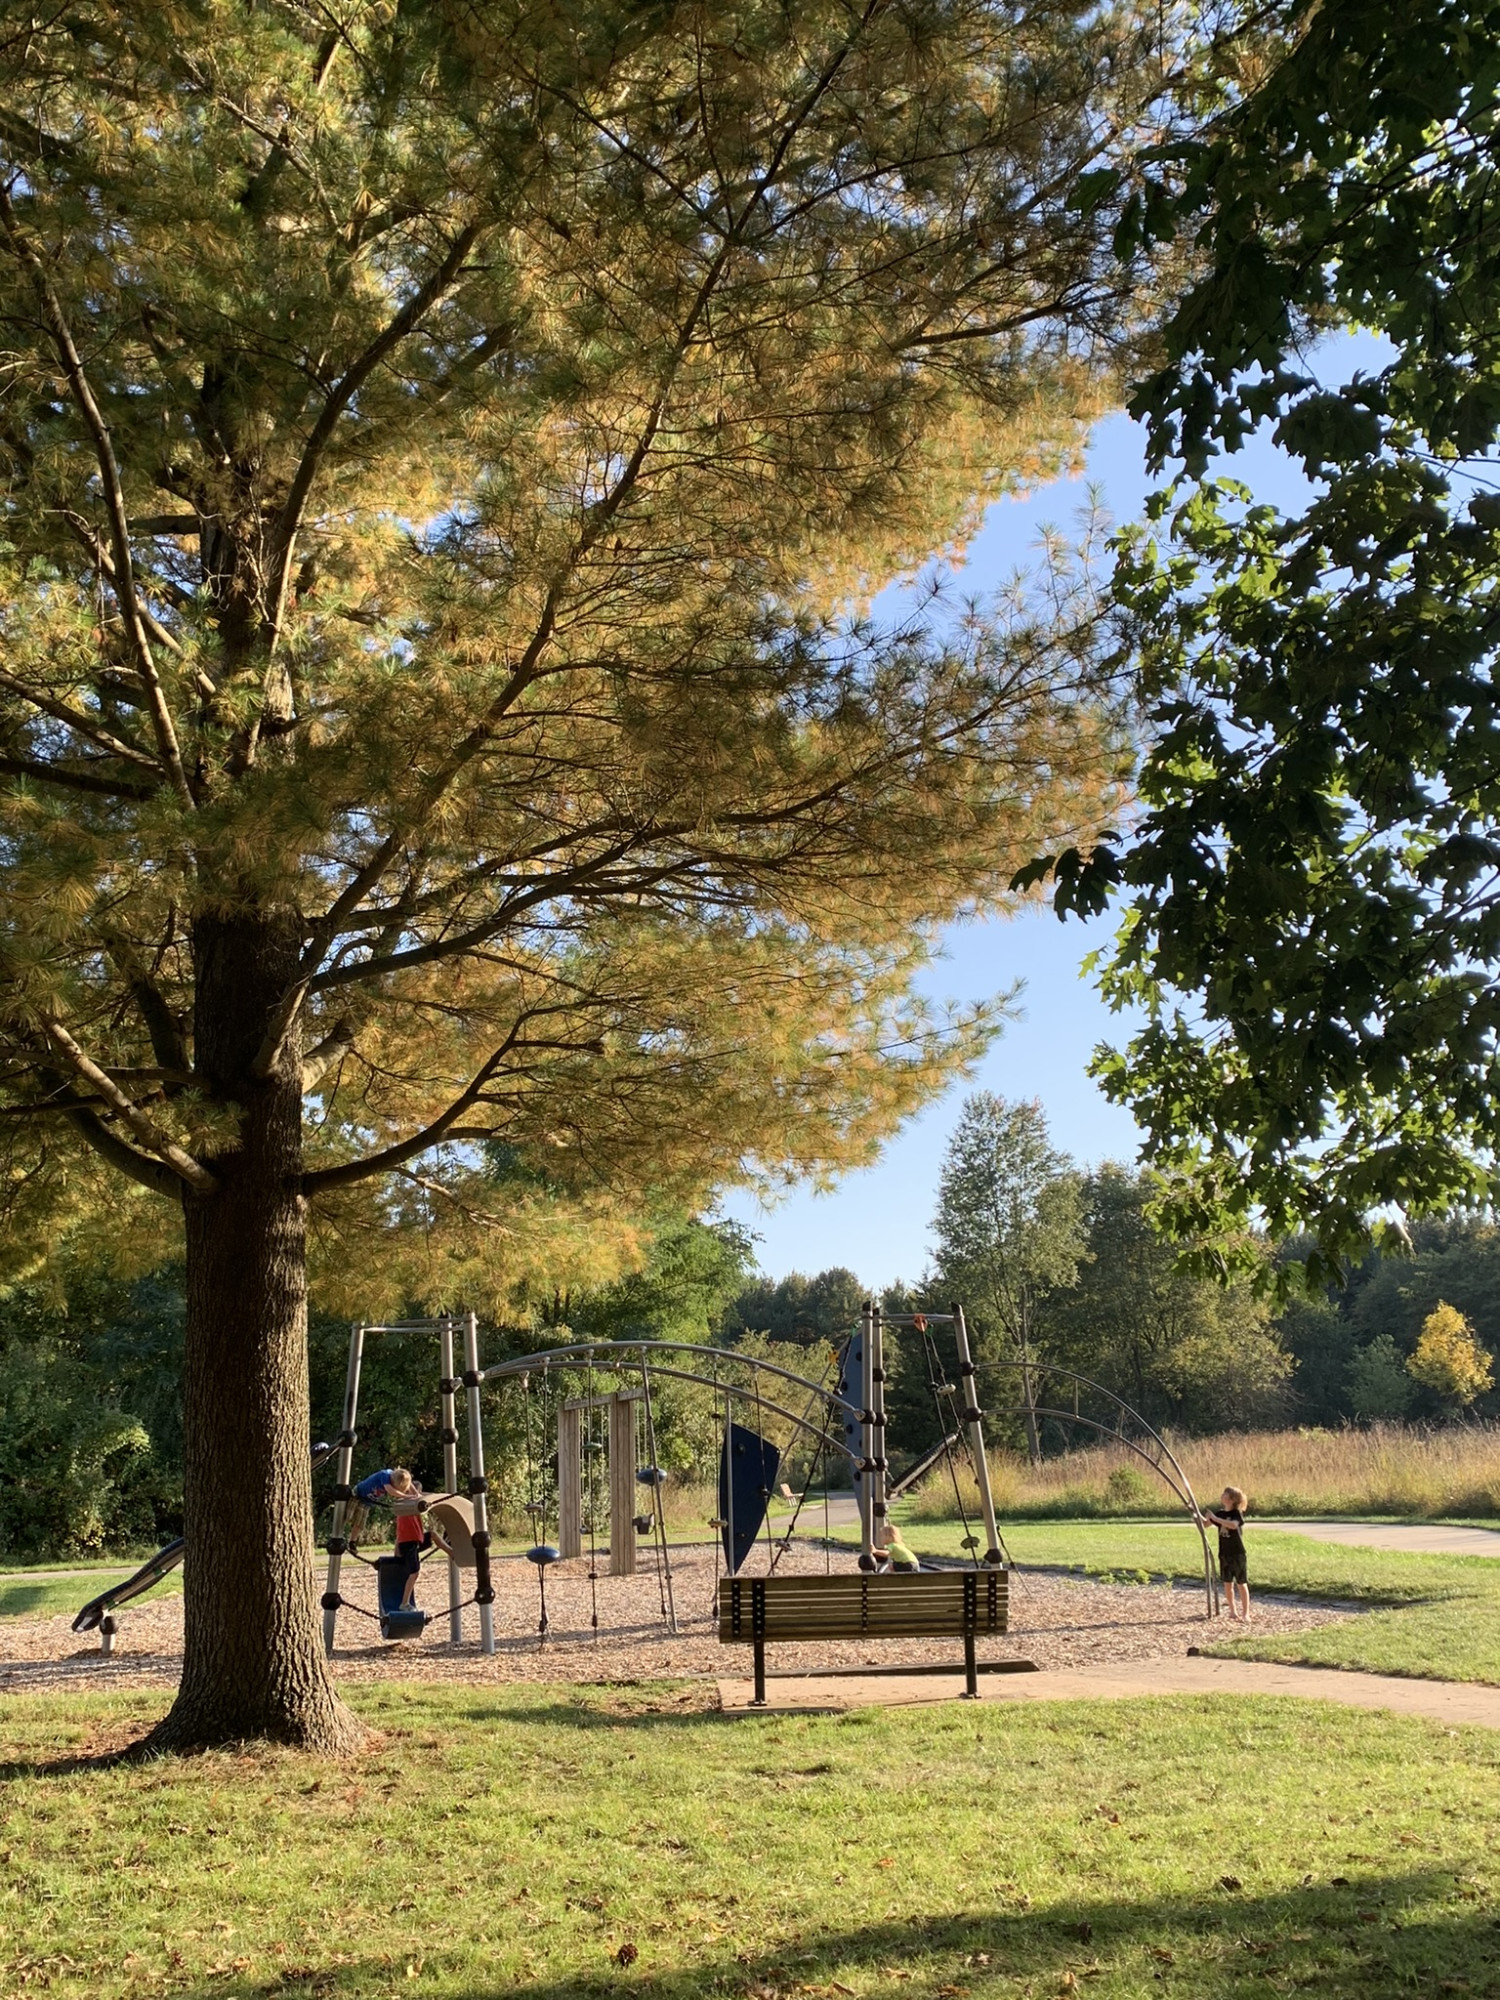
point(1130, 1429)
point(973, 1415)
point(343, 1492)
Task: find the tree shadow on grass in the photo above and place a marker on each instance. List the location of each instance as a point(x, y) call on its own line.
point(1368, 1935)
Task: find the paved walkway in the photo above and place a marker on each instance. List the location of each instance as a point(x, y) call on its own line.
point(1420, 1537)
point(1452, 1702)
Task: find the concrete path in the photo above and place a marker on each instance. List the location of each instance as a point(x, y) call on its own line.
point(1420, 1537)
point(1452, 1702)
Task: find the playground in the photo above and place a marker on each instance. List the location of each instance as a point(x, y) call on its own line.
point(1056, 1622)
point(612, 1599)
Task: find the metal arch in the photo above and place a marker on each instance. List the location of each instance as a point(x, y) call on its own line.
point(1093, 1424)
point(1180, 1487)
point(633, 1354)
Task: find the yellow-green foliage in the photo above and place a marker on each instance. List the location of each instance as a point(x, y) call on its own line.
point(1449, 1359)
point(448, 452)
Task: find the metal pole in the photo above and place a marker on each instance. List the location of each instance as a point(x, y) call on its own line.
point(974, 1423)
point(867, 1435)
point(449, 1436)
point(342, 1492)
point(878, 1477)
point(729, 1481)
point(484, 1592)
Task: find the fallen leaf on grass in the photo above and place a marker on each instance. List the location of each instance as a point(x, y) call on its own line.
point(1230, 1882)
point(1167, 1957)
point(626, 1955)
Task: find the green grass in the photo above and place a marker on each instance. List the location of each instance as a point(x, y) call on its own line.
point(557, 1843)
point(1438, 1616)
point(47, 1597)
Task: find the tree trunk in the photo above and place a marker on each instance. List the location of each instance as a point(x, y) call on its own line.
point(253, 1662)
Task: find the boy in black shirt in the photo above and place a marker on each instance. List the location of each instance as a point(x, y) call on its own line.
point(1230, 1522)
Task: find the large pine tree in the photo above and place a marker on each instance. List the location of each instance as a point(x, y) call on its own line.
point(446, 447)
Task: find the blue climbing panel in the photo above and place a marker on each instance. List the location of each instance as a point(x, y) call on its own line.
point(747, 1478)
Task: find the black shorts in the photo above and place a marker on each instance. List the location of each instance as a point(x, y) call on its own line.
point(1232, 1563)
point(409, 1555)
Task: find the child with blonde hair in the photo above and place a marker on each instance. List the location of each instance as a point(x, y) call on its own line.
point(1229, 1519)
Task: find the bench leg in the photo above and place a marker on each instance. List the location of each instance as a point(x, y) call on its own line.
point(760, 1674)
point(971, 1669)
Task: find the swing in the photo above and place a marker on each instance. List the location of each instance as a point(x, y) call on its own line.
point(652, 1477)
point(544, 1553)
point(397, 1621)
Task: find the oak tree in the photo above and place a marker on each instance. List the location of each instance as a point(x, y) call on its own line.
point(1314, 881)
point(447, 772)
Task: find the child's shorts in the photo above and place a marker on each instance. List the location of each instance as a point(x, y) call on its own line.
point(410, 1554)
point(1232, 1566)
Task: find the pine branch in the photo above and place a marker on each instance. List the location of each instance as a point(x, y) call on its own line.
point(284, 535)
point(182, 1163)
point(72, 781)
point(114, 495)
point(408, 1149)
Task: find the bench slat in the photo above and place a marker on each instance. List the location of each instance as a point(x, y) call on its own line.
point(938, 1604)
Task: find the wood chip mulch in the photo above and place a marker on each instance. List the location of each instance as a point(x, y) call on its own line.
point(1055, 1621)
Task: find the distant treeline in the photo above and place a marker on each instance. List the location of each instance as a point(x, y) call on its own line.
point(90, 1428)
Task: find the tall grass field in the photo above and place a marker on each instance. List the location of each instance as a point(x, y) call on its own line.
point(1387, 1470)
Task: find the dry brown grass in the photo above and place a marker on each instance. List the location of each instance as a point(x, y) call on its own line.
point(1385, 1470)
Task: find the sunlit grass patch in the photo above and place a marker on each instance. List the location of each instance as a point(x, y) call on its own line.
point(555, 1841)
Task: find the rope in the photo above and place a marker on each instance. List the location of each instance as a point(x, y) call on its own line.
point(948, 1421)
point(589, 1449)
point(765, 1491)
point(791, 1526)
point(819, 1394)
point(658, 1509)
point(536, 1510)
point(360, 1611)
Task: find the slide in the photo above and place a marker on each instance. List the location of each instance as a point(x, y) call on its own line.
point(147, 1577)
point(97, 1612)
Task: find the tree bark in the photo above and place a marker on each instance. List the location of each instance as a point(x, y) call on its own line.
point(253, 1662)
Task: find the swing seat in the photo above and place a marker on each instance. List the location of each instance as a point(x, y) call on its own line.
point(543, 1555)
point(397, 1621)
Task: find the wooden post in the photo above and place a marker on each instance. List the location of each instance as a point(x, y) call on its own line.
point(622, 1489)
point(570, 1480)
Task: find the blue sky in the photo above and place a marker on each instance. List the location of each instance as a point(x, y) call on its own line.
point(876, 1222)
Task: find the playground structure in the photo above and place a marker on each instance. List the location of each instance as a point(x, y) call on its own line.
point(471, 1548)
point(844, 1422)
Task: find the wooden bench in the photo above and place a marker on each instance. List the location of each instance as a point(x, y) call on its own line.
point(933, 1604)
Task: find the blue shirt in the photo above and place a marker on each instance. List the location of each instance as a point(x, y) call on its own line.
point(374, 1487)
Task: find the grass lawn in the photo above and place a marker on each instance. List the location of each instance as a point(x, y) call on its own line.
point(562, 1842)
point(1443, 1622)
point(45, 1597)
